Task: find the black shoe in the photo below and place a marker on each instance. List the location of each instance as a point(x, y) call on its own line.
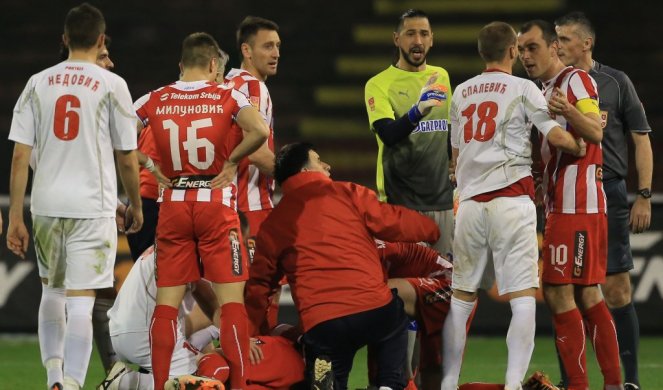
point(323, 376)
point(56, 386)
point(631, 386)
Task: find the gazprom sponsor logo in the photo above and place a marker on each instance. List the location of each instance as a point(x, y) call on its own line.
point(432, 125)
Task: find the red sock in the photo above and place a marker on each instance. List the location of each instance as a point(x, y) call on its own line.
point(235, 342)
point(603, 336)
point(570, 340)
point(163, 334)
point(213, 365)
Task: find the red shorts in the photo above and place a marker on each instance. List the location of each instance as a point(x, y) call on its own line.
point(433, 300)
point(196, 239)
point(575, 249)
point(256, 218)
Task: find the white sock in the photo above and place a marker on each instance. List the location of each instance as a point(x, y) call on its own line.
point(78, 338)
point(51, 327)
point(520, 340)
point(203, 337)
point(453, 341)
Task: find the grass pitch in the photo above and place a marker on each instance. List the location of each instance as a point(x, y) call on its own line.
point(485, 360)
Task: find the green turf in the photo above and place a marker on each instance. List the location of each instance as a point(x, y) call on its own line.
point(485, 360)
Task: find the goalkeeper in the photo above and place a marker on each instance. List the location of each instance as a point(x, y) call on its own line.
point(408, 111)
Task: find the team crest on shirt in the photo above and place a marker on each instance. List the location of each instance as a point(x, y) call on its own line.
point(604, 119)
point(255, 101)
point(371, 104)
point(599, 173)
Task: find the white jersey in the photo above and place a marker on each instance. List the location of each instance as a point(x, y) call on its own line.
point(135, 303)
point(491, 117)
point(74, 115)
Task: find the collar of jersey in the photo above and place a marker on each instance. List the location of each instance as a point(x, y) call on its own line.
point(189, 85)
point(547, 83)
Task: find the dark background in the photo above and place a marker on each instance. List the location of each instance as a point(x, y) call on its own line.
point(318, 92)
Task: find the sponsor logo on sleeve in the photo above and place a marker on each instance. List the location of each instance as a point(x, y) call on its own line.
point(235, 252)
point(255, 101)
point(604, 119)
point(579, 250)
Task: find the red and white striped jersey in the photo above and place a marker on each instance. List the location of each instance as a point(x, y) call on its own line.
point(193, 132)
point(573, 185)
point(254, 189)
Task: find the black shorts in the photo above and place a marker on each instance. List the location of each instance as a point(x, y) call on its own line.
point(620, 258)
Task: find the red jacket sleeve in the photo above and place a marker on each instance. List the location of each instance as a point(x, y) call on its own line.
point(392, 223)
point(264, 277)
point(404, 253)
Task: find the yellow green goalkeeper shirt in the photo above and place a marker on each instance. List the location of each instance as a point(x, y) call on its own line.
point(414, 172)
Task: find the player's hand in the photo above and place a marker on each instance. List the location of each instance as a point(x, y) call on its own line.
point(161, 178)
point(640, 217)
point(226, 176)
point(120, 213)
point(18, 238)
point(559, 104)
point(255, 355)
point(432, 95)
point(134, 215)
point(583, 147)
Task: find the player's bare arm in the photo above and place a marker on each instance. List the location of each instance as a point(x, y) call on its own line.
point(146, 162)
point(17, 233)
point(255, 134)
point(564, 141)
point(263, 158)
point(127, 164)
point(640, 217)
point(587, 125)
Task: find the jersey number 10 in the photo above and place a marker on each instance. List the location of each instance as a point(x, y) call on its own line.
point(485, 127)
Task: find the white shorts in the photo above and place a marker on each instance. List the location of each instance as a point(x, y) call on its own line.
point(77, 254)
point(134, 348)
point(501, 232)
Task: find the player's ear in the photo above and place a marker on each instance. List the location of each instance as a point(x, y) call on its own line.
point(101, 41)
point(396, 38)
point(245, 48)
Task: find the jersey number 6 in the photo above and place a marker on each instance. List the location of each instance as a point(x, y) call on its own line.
point(66, 119)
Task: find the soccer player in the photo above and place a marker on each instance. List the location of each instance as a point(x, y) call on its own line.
point(408, 110)
point(423, 280)
point(198, 232)
point(320, 236)
point(622, 114)
point(259, 45)
point(71, 117)
point(496, 220)
point(575, 237)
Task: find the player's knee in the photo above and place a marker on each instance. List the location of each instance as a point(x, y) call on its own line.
point(617, 290)
point(559, 298)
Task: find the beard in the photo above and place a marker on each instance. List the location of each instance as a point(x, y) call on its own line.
point(406, 55)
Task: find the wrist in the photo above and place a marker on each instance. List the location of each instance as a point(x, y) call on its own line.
point(149, 165)
point(644, 193)
point(414, 115)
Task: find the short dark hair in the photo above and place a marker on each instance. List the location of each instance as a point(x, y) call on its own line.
point(579, 19)
point(250, 26)
point(494, 40)
point(290, 160)
point(64, 50)
point(83, 25)
point(411, 13)
point(547, 29)
point(199, 48)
